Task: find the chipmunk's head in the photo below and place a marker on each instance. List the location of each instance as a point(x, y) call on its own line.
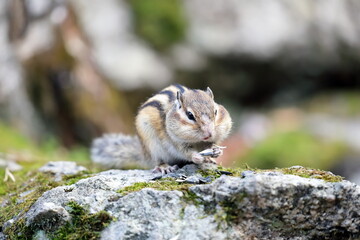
point(193, 116)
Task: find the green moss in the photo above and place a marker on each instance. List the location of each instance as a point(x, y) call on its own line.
point(160, 22)
point(285, 149)
point(82, 225)
point(311, 173)
point(191, 197)
point(12, 145)
point(277, 223)
point(35, 184)
point(298, 171)
point(17, 206)
point(166, 184)
point(216, 173)
point(213, 173)
point(72, 179)
point(231, 212)
point(12, 139)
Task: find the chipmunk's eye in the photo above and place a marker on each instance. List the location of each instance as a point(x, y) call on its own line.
point(190, 116)
point(215, 112)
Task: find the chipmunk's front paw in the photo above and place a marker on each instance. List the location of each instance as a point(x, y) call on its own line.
point(165, 169)
point(213, 152)
point(198, 158)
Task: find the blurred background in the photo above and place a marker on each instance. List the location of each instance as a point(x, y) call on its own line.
point(287, 71)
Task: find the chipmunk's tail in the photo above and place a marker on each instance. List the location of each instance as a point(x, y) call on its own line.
point(118, 151)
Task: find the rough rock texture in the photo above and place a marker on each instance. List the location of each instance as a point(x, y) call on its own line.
point(61, 168)
point(268, 205)
point(286, 206)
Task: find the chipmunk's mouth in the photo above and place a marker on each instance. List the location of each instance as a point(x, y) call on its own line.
point(206, 138)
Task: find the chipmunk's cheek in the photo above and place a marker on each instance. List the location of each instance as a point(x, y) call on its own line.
point(191, 135)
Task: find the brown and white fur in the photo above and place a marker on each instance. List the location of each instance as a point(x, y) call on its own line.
point(173, 127)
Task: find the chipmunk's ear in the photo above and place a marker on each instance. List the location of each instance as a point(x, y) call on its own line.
point(208, 91)
point(180, 99)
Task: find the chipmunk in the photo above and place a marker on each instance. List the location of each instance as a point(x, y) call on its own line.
point(174, 127)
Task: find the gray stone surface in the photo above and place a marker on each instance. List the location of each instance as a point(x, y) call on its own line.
point(258, 206)
point(62, 168)
point(48, 216)
point(286, 205)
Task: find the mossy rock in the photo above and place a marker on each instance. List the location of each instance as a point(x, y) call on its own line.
point(227, 201)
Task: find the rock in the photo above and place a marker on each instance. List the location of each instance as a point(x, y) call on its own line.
point(8, 223)
point(274, 203)
point(62, 168)
point(247, 173)
point(267, 205)
point(157, 218)
point(48, 216)
point(96, 192)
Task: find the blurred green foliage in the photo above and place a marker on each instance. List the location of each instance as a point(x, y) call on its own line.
point(160, 22)
point(22, 148)
point(11, 139)
point(285, 149)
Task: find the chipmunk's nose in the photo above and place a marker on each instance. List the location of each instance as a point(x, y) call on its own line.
point(208, 132)
point(208, 135)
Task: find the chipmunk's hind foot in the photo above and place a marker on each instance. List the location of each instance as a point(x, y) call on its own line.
point(165, 169)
